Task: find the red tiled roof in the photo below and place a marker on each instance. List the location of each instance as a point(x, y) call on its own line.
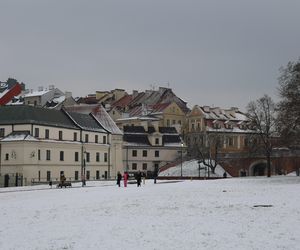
point(123, 102)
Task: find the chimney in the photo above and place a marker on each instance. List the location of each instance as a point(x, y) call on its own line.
point(68, 94)
point(51, 87)
point(40, 88)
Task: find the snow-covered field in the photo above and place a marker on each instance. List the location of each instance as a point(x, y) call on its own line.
point(211, 214)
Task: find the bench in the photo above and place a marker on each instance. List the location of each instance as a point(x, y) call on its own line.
point(65, 184)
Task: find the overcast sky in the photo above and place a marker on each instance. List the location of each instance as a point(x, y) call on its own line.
point(222, 53)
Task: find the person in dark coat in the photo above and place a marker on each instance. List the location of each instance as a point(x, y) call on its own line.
point(225, 175)
point(138, 178)
point(119, 178)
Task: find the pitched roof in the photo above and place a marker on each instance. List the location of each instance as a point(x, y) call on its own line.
point(123, 102)
point(99, 113)
point(136, 138)
point(22, 114)
point(86, 122)
point(134, 129)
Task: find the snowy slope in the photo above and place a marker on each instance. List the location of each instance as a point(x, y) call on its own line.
point(191, 168)
point(211, 214)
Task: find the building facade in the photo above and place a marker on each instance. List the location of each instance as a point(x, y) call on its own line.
point(148, 149)
point(40, 144)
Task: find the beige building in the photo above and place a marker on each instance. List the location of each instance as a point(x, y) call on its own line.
point(40, 144)
point(230, 124)
point(147, 149)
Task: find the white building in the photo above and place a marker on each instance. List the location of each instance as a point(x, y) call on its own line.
point(41, 144)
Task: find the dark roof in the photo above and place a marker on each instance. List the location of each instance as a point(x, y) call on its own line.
point(34, 115)
point(85, 121)
point(136, 138)
point(151, 130)
point(168, 130)
point(171, 139)
point(134, 129)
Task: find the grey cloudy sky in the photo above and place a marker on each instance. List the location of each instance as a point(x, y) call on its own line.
point(222, 53)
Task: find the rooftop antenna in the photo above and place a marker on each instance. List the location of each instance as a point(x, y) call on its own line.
point(168, 84)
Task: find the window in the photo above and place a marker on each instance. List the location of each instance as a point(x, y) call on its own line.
point(6, 157)
point(60, 135)
point(156, 141)
point(76, 156)
point(48, 175)
point(48, 155)
point(173, 122)
point(246, 142)
point(35, 103)
point(47, 133)
point(36, 132)
point(75, 136)
point(97, 175)
point(145, 153)
point(87, 157)
point(179, 122)
point(230, 141)
point(39, 154)
point(134, 166)
point(156, 153)
point(144, 166)
point(105, 157)
point(97, 157)
point(61, 155)
point(39, 175)
point(168, 123)
point(104, 139)
point(96, 138)
point(86, 138)
point(2, 132)
point(134, 153)
point(87, 175)
point(76, 175)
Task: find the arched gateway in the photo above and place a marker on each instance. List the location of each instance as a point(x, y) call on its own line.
point(258, 168)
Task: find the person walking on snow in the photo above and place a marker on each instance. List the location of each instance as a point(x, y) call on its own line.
point(138, 178)
point(125, 179)
point(119, 178)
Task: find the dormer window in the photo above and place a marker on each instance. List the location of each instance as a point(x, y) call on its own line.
point(156, 141)
point(217, 125)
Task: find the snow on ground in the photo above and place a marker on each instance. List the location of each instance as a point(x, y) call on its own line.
point(207, 214)
point(191, 168)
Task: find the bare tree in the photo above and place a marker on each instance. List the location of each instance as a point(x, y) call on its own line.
point(289, 106)
point(209, 152)
point(262, 116)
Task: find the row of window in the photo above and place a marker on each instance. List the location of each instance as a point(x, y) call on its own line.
point(75, 137)
point(144, 166)
point(173, 122)
point(144, 153)
point(62, 156)
point(76, 175)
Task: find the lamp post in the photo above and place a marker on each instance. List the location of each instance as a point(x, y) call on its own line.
point(83, 164)
point(199, 164)
point(181, 160)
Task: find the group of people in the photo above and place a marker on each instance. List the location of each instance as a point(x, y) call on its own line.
point(138, 177)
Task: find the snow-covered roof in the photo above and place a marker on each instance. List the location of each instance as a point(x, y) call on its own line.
point(99, 113)
point(37, 93)
point(19, 136)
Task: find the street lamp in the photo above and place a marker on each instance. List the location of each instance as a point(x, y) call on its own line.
point(181, 160)
point(199, 164)
point(83, 164)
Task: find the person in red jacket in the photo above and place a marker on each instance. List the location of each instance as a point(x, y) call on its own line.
point(125, 179)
